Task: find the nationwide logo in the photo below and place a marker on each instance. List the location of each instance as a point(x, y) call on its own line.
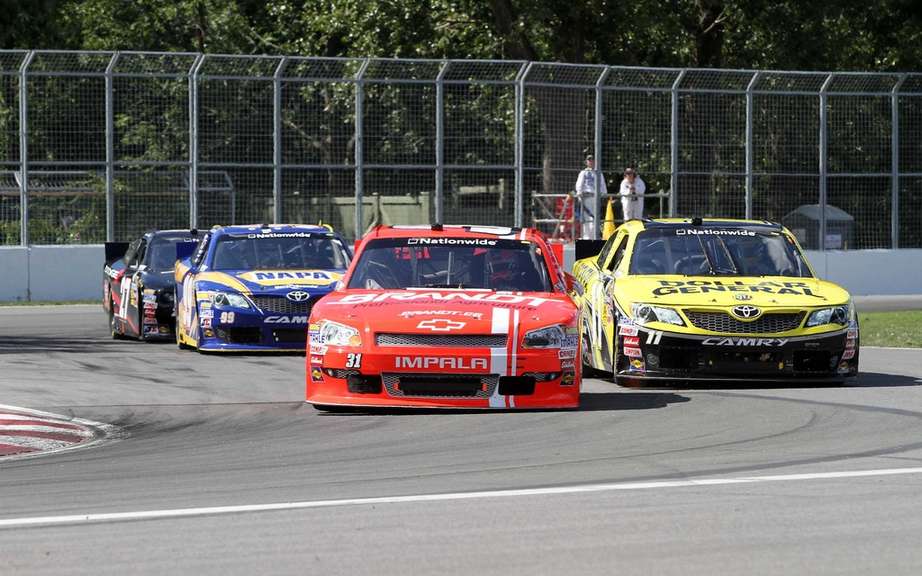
point(746, 312)
point(298, 296)
point(451, 241)
point(442, 363)
point(712, 232)
point(441, 325)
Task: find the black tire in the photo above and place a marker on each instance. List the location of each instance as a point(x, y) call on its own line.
point(588, 370)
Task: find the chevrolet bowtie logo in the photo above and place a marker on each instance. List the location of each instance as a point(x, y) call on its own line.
point(441, 325)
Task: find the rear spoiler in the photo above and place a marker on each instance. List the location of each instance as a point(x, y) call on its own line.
point(587, 248)
point(115, 250)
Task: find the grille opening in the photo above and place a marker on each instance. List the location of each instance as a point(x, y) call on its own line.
point(444, 340)
point(282, 305)
point(740, 363)
point(723, 322)
point(517, 385)
point(678, 359)
point(247, 335)
point(359, 384)
point(290, 335)
point(436, 385)
point(813, 361)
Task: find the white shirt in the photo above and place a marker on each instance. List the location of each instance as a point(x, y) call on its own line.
point(639, 189)
point(585, 186)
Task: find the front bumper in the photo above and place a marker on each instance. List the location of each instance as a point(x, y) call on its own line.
point(661, 355)
point(230, 330)
point(441, 378)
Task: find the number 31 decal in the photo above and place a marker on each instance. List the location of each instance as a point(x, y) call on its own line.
point(353, 360)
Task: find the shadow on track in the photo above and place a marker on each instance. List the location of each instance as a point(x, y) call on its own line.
point(878, 380)
point(589, 402)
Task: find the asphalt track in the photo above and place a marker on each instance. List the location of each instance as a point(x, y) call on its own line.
point(747, 480)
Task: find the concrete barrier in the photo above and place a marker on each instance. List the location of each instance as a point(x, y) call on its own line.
point(55, 273)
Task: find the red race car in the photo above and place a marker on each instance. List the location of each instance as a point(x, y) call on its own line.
point(447, 317)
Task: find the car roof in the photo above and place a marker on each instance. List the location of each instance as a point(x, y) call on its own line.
point(271, 229)
point(705, 223)
point(455, 231)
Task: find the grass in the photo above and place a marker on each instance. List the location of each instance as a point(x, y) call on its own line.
point(47, 303)
point(900, 329)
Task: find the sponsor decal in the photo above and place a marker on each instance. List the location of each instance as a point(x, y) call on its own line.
point(742, 296)
point(164, 329)
point(207, 313)
point(567, 379)
point(633, 353)
point(298, 296)
point(318, 349)
point(204, 305)
point(150, 305)
point(459, 297)
point(746, 311)
point(292, 278)
point(567, 364)
point(713, 232)
point(287, 320)
point(570, 341)
point(441, 325)
point(133, 299)
point(283, 235)
point(316, 375)
point(705, 286)
point(848, 354)
point(637, 364)
point(149, 297)
point(460, 313)
point(441, 362)
point(209, 333)
point(314, 328)
point(843, 367)
point(773, 342)
point(206, 322)
point(150, 329)
point(566, 353)
point(450, 242)
point(627, 330)
point(849, 343)
point(316, 359)
point(631, 341)
point(852, 334)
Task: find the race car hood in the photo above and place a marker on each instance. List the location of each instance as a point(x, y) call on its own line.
point(767, 291)
point(269, 281)
point(446, 311)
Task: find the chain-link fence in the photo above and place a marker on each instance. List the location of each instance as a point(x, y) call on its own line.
point(101, 146)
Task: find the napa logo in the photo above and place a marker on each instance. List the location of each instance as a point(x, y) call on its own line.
point(291, 277)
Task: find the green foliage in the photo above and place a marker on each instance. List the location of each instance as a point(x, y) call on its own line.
point(900, 329)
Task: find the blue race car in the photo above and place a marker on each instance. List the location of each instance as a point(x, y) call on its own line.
point(251, 288)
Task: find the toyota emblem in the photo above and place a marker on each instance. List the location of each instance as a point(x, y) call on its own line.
point(746, 311)
point(298, 296)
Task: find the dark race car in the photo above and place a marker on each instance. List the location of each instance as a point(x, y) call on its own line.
point(137, 284)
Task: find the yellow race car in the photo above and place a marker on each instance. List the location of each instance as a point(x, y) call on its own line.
point(711, 299)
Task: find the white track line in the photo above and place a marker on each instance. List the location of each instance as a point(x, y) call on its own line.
point(558, 490)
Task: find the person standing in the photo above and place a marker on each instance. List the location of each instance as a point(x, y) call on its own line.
point(586, 191)
point(632, 192)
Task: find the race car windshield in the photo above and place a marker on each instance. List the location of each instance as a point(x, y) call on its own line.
point(717, 252)
point(294, 251)
point(161, 254)
point(475, 263)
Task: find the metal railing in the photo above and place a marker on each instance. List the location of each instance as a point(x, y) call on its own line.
point(101, 146)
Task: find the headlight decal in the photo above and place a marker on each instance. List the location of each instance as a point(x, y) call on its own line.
point(643, 313)
point(840, 315)
point(336, 334)
point(230, 300)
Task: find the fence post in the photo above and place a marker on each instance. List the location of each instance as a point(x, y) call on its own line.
point(674, 145)
point(824, 160)
point(749, 159)
point(193, 140)
point(110, 150)
point(277, 214)
point(440, 142)
point(24, 149)
point(359, 152)
point(519, 148)
point(895, 163)
point(597, 153)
